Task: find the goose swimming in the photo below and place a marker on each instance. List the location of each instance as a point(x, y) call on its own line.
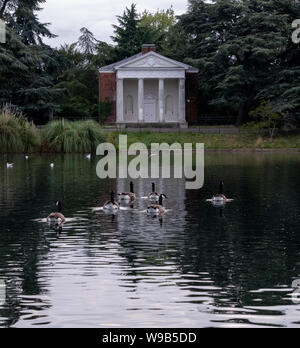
point(220, 198)
point(157, 209)
point(153, 196)
point(57, 217)
point(128, 196)
point(112, 205)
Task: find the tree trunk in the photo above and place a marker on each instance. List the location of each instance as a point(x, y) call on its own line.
point(243, 113)
point(51, 113)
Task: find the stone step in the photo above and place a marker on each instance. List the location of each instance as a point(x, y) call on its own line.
point(149, 125)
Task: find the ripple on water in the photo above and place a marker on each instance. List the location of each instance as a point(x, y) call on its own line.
point(197, 266)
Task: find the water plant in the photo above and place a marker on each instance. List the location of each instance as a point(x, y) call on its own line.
point(16, 133)
point(80, 136)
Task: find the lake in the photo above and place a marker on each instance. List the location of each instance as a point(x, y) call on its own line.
point(198, 266)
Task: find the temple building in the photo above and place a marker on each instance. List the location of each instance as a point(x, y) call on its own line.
point(150, 89)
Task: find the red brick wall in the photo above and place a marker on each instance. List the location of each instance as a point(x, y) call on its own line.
point(191, 98)
point(146, 50)
point(107, 90)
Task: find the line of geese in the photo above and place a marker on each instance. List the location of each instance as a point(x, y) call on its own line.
point(156, 208)
point(10, 165)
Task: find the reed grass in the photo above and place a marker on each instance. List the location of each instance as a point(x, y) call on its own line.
point(73, 137)
point(16, 133)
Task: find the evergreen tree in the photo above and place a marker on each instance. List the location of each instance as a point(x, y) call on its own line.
point(79, 79)
point(87, 43)
point(27, 66)
point(27, 25)
point(240, 47)
point(127, 34)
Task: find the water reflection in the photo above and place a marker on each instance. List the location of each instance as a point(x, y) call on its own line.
point(198, 266)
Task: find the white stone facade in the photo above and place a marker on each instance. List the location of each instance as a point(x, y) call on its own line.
point(150, 88)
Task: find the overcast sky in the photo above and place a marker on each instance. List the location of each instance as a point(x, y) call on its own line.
point(68, 16)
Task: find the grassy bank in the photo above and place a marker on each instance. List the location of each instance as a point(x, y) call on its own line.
point(212, 141)
point(17, 135)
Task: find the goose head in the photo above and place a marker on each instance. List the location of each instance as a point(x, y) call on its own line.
point(58, 204)
point(221, 188)
point(153, 187)
point(112, 197)
point(131, 187)
point(161, 198)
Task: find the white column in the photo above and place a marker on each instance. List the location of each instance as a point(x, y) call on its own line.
point(120, 100)
point(141, 100)
point(161, 94)
point(181, 101)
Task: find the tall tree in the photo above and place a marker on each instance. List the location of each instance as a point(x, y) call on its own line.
point(79, 77)
point(238, 45)
point(87, 43)
point(27, 69)
point(127, 33)
point(156, 28)
point(27, 25)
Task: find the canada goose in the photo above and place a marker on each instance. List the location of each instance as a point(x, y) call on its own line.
point(111, 205)
point(220, 198)
point(9, 165)
point(153, 196)
point(57, 217)
point(157, 209)
point(128, 196)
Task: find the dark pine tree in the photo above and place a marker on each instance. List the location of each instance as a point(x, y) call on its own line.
point(127, 33)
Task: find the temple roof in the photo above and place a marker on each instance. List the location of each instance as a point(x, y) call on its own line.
point(149, 60)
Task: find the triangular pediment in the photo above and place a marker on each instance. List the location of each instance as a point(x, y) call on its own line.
point(153, 60)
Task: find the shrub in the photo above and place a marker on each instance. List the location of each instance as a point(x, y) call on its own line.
point(16, 133)
point(104, 110)
point(267, 119)
point(80, 136)
point(75, 108)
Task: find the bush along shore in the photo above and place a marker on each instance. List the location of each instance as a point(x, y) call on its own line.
point(17, 135)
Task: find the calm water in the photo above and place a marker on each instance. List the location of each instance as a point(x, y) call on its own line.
point(198, 267)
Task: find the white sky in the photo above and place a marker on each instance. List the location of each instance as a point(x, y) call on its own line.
point(68, 16)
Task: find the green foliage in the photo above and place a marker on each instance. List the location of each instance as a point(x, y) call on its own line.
point(244, 51)
point(105, 110)
point(156, 28)
point(87, 43)
point(127, 35)
point(27, 66)
point(67, 137)
point(16, 133)
point(75, 108)
point(135, 29)
point(79, 80)
point(267, 118)
point(27, 24)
